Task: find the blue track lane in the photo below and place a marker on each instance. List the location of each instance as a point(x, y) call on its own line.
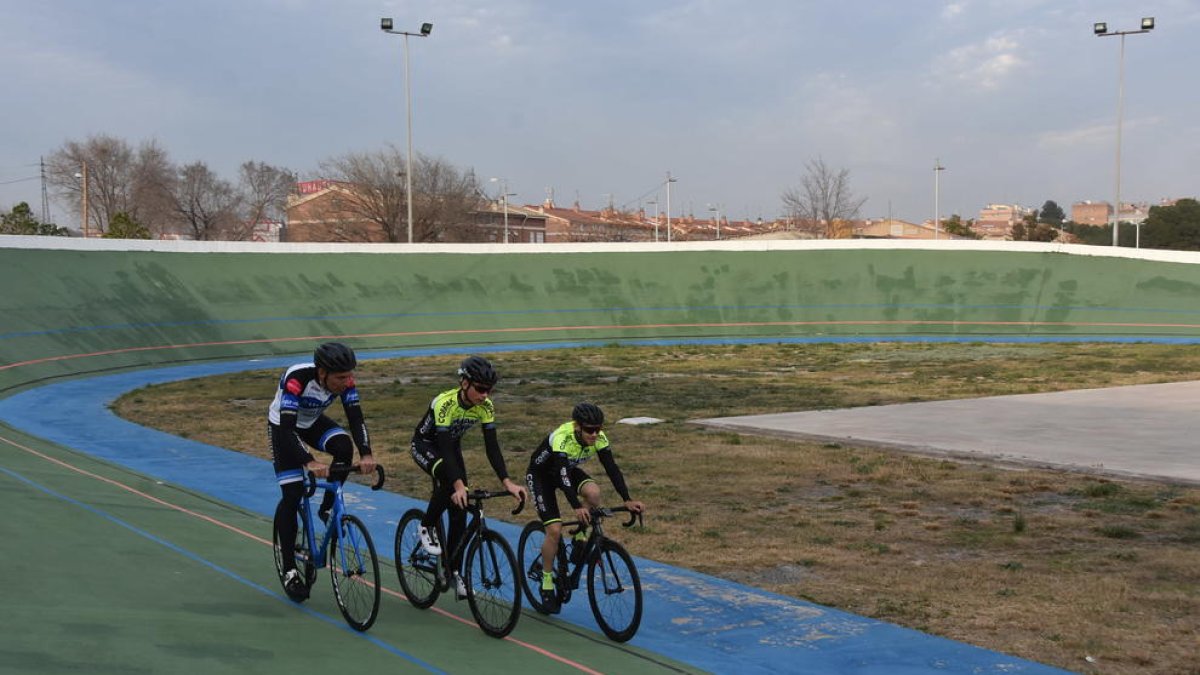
point(707, 622)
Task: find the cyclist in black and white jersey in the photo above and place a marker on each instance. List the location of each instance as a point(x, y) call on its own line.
point(437, 449)
point(297, 418)
point(554, 467)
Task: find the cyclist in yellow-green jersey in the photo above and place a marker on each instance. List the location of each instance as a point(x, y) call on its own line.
point(554, 466)
point(437, 449)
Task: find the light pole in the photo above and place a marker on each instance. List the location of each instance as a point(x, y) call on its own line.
point(937, 215)
point(83, 214)
point(504, 195)
point(669, 181)
point(1101, 30)
point(716, 210)
point(386, 26)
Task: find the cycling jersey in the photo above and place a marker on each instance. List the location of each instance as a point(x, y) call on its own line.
point(300, 401)
point(558, 456)
point(437, 439)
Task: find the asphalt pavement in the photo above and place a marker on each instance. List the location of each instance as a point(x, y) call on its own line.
point(1144, 431)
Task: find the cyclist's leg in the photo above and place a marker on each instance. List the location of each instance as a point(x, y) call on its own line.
point(336, 441)
point(290, 477)
point(285, 519)
point(544, 493)
point(589, 495)
point(425, 457)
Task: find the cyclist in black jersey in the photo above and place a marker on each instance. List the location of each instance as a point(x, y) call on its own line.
point(554, 466)
point(437, 449)
point(297, 418)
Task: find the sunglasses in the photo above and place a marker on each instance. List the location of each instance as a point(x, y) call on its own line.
point(483, 389)
point(590, 430)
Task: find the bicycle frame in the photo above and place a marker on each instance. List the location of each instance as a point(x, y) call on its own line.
point(335, 516)
point(476, 525)
point(592, 545)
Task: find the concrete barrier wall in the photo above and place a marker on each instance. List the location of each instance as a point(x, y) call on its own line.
point(72, 307)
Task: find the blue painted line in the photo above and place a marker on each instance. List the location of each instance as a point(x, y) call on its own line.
point(223, 570)
point(710, 623)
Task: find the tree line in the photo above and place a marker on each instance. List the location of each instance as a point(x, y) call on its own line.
point(138, 192)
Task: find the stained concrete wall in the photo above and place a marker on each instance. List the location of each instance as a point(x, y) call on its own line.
point(72, 307)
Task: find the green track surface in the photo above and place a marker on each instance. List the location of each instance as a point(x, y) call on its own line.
point(186, 594)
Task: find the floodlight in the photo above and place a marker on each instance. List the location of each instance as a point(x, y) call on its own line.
point(385, 24)
point(1148, 23)
point(427, 27)
point(1100, 28)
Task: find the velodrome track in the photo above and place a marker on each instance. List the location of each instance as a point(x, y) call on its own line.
point(156, 564)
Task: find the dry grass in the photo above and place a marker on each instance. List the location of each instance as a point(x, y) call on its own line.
point(1046, 565)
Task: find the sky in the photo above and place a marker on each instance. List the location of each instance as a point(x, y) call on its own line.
point(595, 102)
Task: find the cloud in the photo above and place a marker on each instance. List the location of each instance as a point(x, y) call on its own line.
point(1092, 135)
point(984, 66)
point(953, 9)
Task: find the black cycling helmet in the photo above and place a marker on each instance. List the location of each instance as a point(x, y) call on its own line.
point(335, 357)
point(478, 370)
point(588, 414)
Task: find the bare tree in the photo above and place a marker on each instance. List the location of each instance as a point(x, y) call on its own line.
point(445, 199)
point(119, 179)
point(823, 201)
point(205, 204)
point(376, 189)
point(264, 191)
point(445, 195)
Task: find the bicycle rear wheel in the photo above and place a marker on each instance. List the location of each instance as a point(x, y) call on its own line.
point(492, 585)
point(417, 570)
point(615, 591)
point(304, 560)
point(529, 566)
point(354, 570)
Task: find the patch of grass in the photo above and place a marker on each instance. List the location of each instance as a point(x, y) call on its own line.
point(933, 544)
point(1118, 532)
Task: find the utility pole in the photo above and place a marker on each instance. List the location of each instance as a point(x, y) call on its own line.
point(669, 181)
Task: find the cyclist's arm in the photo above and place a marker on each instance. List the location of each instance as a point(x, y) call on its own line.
point(357, 422)
point(614, 472)
point(491, 444)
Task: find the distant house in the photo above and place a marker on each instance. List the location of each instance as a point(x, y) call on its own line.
point(892, 228)
point(996, 221)
point(1091, 213)
point(321, 210)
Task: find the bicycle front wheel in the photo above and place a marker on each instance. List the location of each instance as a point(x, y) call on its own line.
point(354, 569)
point(304, 559)
point(492, 584)
point(614, 591)
point(418, 570)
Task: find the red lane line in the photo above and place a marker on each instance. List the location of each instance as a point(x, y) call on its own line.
point(66, 465)
point(549, 329)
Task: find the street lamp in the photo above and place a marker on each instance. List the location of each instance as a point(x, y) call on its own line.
point(84, 211)
point(716, 210)
point(504, 195)
point(1101, 30)
point(669, 181)
point(937, 216)
point(655, 203)
point(386, 26)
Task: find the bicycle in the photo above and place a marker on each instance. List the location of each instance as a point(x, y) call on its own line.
point(345, 546)
point(489, 567)
point(614, 588)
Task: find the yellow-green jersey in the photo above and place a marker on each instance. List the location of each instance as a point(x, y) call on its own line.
point(559, 455)
point(437, 440)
